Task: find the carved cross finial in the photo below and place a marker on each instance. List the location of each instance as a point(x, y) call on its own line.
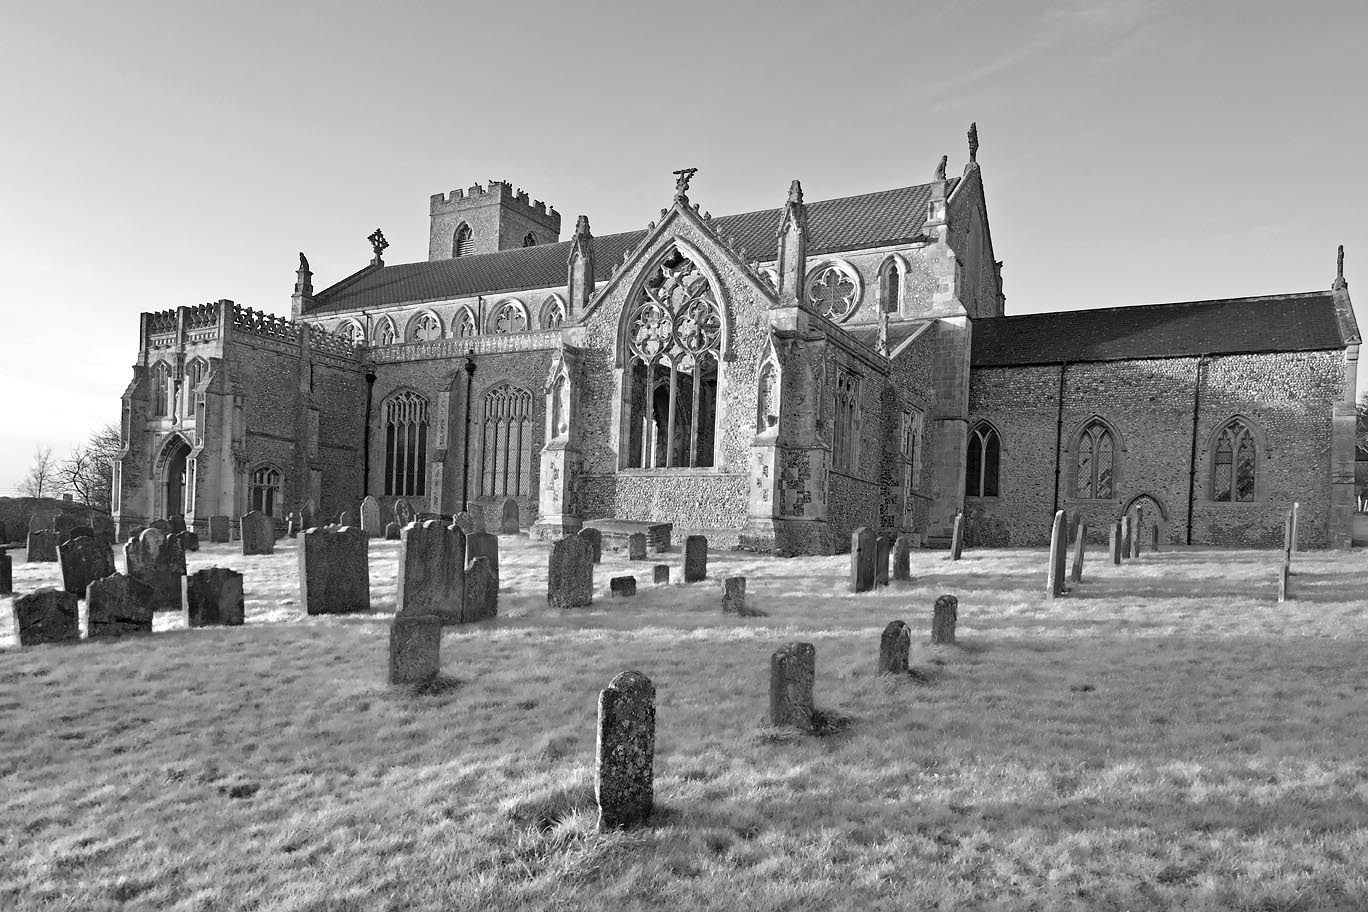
point(682, 178)
point(940, 169)
point(973, 141)
point(378, 244)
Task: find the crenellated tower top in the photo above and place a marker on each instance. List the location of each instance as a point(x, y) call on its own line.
point(483, 219)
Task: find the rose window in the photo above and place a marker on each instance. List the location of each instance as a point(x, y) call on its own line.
point(833, 293)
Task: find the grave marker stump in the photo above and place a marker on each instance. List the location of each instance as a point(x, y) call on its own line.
point(862, 559)
point(84, 560)
point(213, 598)
point(118, 605)
point(624, 759)
point(334, 571)
point(894, 645)
point(46, 616)
point(432, 565)
point(793, 667)
point(944, 617)
point(695, 558)
point(415, 649)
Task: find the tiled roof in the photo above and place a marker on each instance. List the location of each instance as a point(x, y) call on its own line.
point(1294, 322)
point(848, 223)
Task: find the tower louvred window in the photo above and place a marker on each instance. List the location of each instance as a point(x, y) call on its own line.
point(463, 243)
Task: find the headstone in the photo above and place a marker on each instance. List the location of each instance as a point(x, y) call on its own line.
point(1126, 531)
point(944, 617)
point(1080, 540)
point(432, 567)
point(957, 538)
point(135, 532)
point(213, 598)
point(347, 519)
point(625, 756)
point(595, 539)
point(1296, 526)
point(481, 591)
point(622, 586)
point(902, 558)
point(42, 546)
point(6, 574)
point(661, 574)
point(894, 645)
point(177, 523)
point(1114, 543)
point(42, 522)
point(862, 559)
point(636, 546)
point(118, 605)
point(218, 529)
point(334, 571)
point(84, 560)
point(403, 513)
point(74, 532)
point(509, 524)
point(466, 520)
point(170, 557)
point(158, 562)
point(393, 532)
point(292, 525)
point(163, 526)
point(257, 532)
point(1058, 547)
point(62, 523)
point(1284, 582)
point(1154, 537)
point(883, 550)
point(483, 544)
point(370, 517)
point(695, 558)
point(46, 616)
point(793, 668)
point(1137, 524)
point(103, 524)
point(415, 648)
point(570, 574)
point(734, 595)
point(188, 540)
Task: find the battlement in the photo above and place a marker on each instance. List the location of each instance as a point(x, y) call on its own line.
point(207, 322)
point(496, 191)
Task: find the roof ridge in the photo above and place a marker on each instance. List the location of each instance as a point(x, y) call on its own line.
point(1245, 299)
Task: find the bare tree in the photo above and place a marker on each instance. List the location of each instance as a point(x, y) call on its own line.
point(42, 478)
point(88, 473)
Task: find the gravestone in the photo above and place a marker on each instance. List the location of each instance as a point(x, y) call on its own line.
point(957, 538)
point(695, 558)
point(1294, 543)
point(509, 523)
point(734, 595)
point(483, 544)
point(42, 522)
point(6, 574)
point(370, 517)
point(403, 512)
point(661, 573)
point(218, 529)
point(393, 532)
point(347, 520)
point(84, 560)
point(1080, 538)
point(1126, 531)
point(163, 526)
point(415, 649)
point(894, 645)
point(1114, 543)
point(862, 559)
point(622, 586)
point(793, 668)
point(883, 550)
point(4, 533)
point(188, 540)
point(944, 617)
point(1058, 547)
point(170, 557)
point(63, 523)
point(213, 598)
point(159, 562)
point(334, 571)
point(1284, 582)
point(135, 532)
point(42, 546)
point(1137, 525)
point(624, 759)
point(140, 552)
point(595, 539)
point(74, 532)
point(257, 533)
point(177, 524)
point(481, 591)
point(902, 558)
point(46, 616)
point(466, 520)
point(103, 524)
point(292, 525)
point(570, 574)
point(1154, 537)
point(636, 546)
point(118, 605)
point(432, 569)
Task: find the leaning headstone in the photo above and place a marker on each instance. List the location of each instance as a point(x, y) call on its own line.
point(793, 667)
point(622, 586)
point(1058, 547)
point(595, 539)
point(403, 512)
point(161, 525)
point(218, 529)
point(118, 605)
point(84, 560)
point(862, 559)
point(661, 573)
point(177, 524)
point(636, 546)
point(1296, 527)
point(1114, 543)
point(103, 524)
point(883, 550)
point(432, 563)
point(957, 538)
point(944, 617)
point(393, 532)
point(483, 544)
point(481, 591)
point(257, 533)
point(570, 574)
point(509, 524)
point(6, 574)
point(415, 649)
point(734, 595)
point(894, 645)
point(189, 541)
point(347, 519)
point(74, 532)
point(370, 517)
point(334, 571)
point(42, 546)
point(624, 760)
point(695, 558)
point(46, 616)
point(213, 598)
point(1076, 570)
point(902, 558)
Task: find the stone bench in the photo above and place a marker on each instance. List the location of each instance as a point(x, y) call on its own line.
point(616, 531)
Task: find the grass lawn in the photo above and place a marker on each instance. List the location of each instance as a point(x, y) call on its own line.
point(1167, 737)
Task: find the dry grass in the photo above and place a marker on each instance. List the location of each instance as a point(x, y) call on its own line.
point(1169, 737)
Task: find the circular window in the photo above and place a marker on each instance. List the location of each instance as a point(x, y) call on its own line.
point(834, 291)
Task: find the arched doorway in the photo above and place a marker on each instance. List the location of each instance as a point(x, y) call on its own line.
point(1153, 518)
point(175, 474)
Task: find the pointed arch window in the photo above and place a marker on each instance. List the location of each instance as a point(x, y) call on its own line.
point(506, 432)
point(982, 462)
point(265, 490)
point(464, 325)
point(890, 287)
point(195, 370)
point(352, 332)
point(845, 429)
point(529, 240)
point(384, 332)
point(509, 318)
point(1234, 463)
point(463, 243)
point(673, 340)
point(553, 314)
point(406, 431)
point(1095, 463)
point(161, 384)
point(425, 328)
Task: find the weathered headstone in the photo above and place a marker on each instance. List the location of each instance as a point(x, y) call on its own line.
point(595, 539)
point(140, 552)
point(334, 571)
point(1137, 526)
point(170, 557)
point(393, 532)
point(695, 558)
point(1126, 531)
point(84, 560)
point(661, 573)
point(257, 533)
point(944, 617)
point(370, 517)
point(793, 667)
point(214, 598)
point(1079, 545)
point(118, 605)
point(6, 574)
point(159, 562)
point(177, 523)
point(883, 551)
point(622, 586)
point(1284, 582)
point(62, 523)
point(432, 564)
point(483, 544)
point(625, 756)
point(902, 558)
point(862, 559)
point(894, 645)
point(42, 522)
point(103, 524)
point(415, 648)
point(1155, 536)
point(188, 540)
point(1114, 543)
point(403, 512)
point(46, 616)
point(42, 546)
point(347, 520)
point(570, 574)
point(481, 591)
point(734, 595)
point(636, 546)
point(465, 520)
point(135, 532)
point(74, 532)
point(161, 525)
point(218, 529)
point(509, 523)
point(1296, 527)
point(957, 538)
point(1058, 547)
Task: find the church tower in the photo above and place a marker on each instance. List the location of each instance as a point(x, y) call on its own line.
point(486, 219)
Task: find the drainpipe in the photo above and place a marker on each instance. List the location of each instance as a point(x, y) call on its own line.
point(365, 452)
point(1192, 458)
point(1059, 437)
point(465, 444)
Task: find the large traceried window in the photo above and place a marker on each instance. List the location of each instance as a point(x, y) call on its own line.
point(982, 462)
point(1234, 463)
point(1095, 465)
point(265, 490)
point(161, 385)
point(674, 332)
point(406, 430)
point(507, 442)
point(845, 428)
point(464, 241)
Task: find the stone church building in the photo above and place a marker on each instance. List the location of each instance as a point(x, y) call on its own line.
point(774, 379)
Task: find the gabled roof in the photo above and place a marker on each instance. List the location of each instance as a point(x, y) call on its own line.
point(1291, 322)
point(836, 225)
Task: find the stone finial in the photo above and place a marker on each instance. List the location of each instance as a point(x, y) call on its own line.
point(682, 178)
point(378, 244)
point(973, 141)
point(582, 227)
point(795, 194)
point(303, 262)
point(1339, 271)
point(940, 168)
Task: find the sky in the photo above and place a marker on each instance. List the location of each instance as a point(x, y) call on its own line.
point(163, 154)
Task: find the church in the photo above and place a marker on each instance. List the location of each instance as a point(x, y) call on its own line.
point(772, 379)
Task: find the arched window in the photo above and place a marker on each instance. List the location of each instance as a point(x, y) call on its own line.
point(352, 332)
point(1234, 463)
point(529, 240)
point(981, 469)
point(845, 428)
point(384, 332)
point(195, 369)
point(509, 317)
point(674, 334)
point(833, 291)
point(464, 324)
point(890, 287)
point(507, 435)
point(161, 384)
point(553, 314)
point(265, 493)
point(1095, 462)
point(464, 241)
point(406, 428)
point(425, 328)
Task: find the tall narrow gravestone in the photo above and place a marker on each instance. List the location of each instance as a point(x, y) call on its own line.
point(1080, 538)
point(481, 591)
point(46, 616)
point(902, 558)
point(6, 574)
point(509, 522)
point(862, 559)
point(695, 558)
point(370, 517)
point(118, 605)
point(214, 598)
point(334, 571)
point(793, 667)
point(1114, 543)
point(957, 538)
point(1058, 546)
point(257, 533)
point(42, 546)
point(218, 529)
point(883, 550)
point(415, 649)
point(570, 574)
point(432, 562)
point(624, 760)
point(486, 545)
point(84, 560)
point(595, 539)
point(894, 645)
point(944, 619)
point(1294, 545)
point(1137, 526)
point(1127, 529)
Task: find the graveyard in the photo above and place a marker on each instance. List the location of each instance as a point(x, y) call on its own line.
point(1163, 734)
